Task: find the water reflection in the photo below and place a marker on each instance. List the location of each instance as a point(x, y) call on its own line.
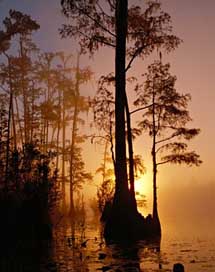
point(79, 246)
point(82, 248)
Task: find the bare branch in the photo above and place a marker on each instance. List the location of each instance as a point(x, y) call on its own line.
point(142, 108)
point(164, 162)
point(136, 53)
point(99, 39)
point(112, 6)
point(166, 139)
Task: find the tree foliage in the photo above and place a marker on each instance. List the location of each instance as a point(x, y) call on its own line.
point(165, 119)
point(132, 32)
point(168, 109)
point(16, 23)
point(38, 101)
point(93, 23)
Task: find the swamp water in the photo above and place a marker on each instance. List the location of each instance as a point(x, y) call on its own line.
point(82, 248)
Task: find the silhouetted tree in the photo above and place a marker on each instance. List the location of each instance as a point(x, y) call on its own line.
point(41, 96)
point(105, 191)
point(16, 23)
point(165, 119)
point(111, 25)
point(66, 90)
point(46, 73)
point(77, 173)
point(3, 135)
point(103, 111)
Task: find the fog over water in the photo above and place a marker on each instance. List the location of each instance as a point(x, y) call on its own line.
point(194, 202)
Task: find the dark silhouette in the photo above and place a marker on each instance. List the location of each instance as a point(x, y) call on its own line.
point(27, 184)
point(178, 267)
point(35, 85)
point(103, 110)
point(165, 118)
point(78, 175)
point(95, 28)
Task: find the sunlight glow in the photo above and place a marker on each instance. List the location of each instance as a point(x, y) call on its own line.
point(143, 190)
point(143, 186)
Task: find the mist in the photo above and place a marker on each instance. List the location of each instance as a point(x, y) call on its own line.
point(189, 208)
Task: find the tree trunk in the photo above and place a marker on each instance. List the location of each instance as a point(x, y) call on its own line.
point(155, 209)
point(8, 126)
point(58, 129)
point(156, 221)
point(123, 222)
point(104, 163)
point(74, 130)
point(33, 109)
point(63, 154)
point(52, 136)
point(131, 159)
point(19, 121)
point(48, 99)
point(112, 146)
point(121, 192)
point(14, 126)
point(25, 100)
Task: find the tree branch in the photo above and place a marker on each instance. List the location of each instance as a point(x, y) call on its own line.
point(111, 4)
point(159, 148)
point(103, 12)
point(142, 108)
point(136, 53)
point(98, 39)
point(160, 163)
point(111, 145)
point(96, 22)
point(167, 139)
point(159, 118)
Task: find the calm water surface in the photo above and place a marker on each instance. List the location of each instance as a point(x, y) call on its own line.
point(83, 249)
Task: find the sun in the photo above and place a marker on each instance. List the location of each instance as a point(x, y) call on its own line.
point(143, 186)
point(143, 192)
